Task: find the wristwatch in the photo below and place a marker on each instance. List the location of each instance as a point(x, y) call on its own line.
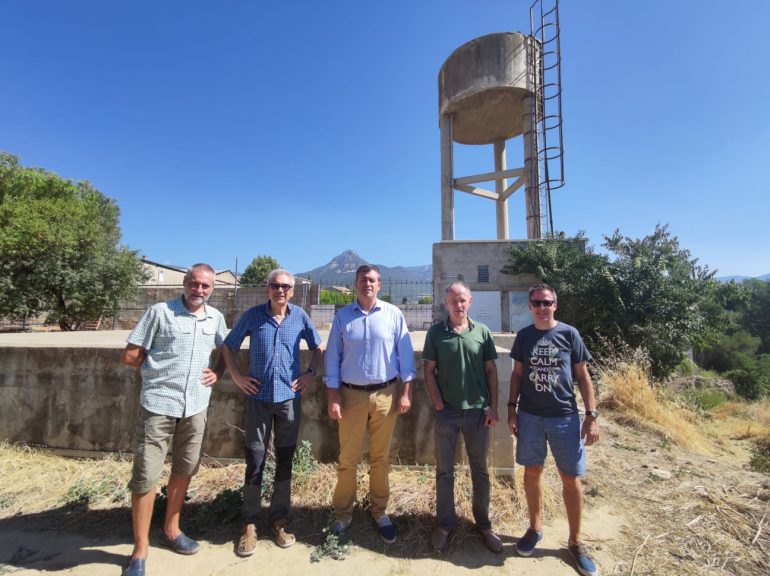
point(592, 413)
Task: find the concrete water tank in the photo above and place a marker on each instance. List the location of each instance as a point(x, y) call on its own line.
point(482, 85)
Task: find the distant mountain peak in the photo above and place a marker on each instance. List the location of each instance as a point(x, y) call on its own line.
point(342, 269)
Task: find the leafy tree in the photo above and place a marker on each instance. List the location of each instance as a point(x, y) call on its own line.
point(257, 272)
point(756, 316)
point(731, 352)
point(646, 293)
point(334, 297)
point(59, 248)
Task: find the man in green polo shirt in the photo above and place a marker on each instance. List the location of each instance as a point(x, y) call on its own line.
point(461, 378)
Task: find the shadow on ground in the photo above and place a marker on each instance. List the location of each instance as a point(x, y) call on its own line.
point(83, 535)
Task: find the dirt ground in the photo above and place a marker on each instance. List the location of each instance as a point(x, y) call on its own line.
point(41, 550)
point(651, 508)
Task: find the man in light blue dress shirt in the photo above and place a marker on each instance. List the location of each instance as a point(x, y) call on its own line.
point(369, 349)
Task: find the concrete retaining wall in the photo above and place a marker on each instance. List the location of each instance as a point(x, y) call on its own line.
point(84, 399)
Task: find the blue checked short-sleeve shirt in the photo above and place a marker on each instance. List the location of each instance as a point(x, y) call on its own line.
point(274, 348)
point(178, 345)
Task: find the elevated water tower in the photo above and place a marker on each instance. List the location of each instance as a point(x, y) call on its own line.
point(494, 89)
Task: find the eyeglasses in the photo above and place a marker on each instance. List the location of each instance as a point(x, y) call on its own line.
point(543, 303)
point(284, 287)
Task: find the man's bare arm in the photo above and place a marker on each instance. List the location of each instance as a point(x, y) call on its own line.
point(133, 356)
point(429, 375)
point(590, 431)
point(490, 371)
point(517, 375)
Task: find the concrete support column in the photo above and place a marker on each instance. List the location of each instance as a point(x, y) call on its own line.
point(500, 185)
point(531, 169)
point(447, 177)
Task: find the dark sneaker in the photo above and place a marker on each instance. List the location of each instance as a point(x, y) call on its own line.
point(339, 527)
point(439, 539)
point(135, 567)
point(387, 529)
point(182, 544)
point(526, 544)
point(492, 541)
point(585, 564)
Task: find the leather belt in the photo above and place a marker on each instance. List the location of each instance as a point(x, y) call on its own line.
point(369, 387)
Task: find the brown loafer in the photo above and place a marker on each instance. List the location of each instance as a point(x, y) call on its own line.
point(492, 540)
point(439, 539)
point(283, 538)
point(247, 543)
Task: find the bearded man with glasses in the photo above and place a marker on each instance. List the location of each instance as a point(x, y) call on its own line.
point(549, 357)
point(274, 385)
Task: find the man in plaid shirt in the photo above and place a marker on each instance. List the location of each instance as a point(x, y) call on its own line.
point(274, 383)
point(172, 344)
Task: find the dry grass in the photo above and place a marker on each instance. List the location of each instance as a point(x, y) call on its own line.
point(34, 481)
point(713, 515)
point(627, 390)
point(742, 420)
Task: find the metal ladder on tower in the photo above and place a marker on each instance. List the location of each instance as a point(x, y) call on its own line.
point(544, 29)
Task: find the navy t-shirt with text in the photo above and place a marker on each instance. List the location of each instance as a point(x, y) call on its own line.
point(548, 356)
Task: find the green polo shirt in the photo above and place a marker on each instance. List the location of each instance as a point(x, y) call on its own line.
point(460, 362)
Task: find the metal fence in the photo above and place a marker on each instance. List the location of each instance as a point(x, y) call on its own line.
point(319, 299)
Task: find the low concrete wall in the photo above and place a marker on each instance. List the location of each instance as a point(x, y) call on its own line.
point(82, 398)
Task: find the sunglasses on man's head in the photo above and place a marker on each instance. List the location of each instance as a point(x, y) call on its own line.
point(543, 303)
point(284, 287)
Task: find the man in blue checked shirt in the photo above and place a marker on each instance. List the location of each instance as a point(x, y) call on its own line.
point(172, 344)
point(369, 349)
point(274, 383)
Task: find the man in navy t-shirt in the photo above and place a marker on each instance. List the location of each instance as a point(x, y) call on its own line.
point(549, 356)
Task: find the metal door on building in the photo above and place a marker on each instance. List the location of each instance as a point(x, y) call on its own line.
point(487, 308)
point(519, 308)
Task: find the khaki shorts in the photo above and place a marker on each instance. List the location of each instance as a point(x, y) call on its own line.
point(154, 434)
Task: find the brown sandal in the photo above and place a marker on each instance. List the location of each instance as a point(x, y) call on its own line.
point(247, 544)
point(283, 538)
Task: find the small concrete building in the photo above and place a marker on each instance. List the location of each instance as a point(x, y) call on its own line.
point(171, 275)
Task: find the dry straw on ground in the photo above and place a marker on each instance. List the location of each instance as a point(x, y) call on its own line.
point(34, 481)
point(712, 515)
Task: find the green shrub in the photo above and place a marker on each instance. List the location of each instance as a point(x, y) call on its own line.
point(707, 399)
point(88, 491)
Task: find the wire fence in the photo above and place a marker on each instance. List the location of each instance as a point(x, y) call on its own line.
point(320, 300)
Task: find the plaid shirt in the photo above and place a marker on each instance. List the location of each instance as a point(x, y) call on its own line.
point(274, 348)
point(178, 345)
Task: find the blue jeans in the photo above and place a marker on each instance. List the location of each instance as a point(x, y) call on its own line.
point(449, 424)
point(262, 419)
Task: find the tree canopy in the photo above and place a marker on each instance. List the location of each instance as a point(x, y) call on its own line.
point(59, 248)
point(648, 293)
point(257, 272)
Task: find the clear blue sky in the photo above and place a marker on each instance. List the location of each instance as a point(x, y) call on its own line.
point(300, 129)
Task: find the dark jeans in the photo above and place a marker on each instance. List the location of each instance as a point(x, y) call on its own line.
point(262, 419)
point(449, 424)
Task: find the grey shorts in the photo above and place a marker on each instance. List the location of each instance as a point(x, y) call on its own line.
point(154, 434)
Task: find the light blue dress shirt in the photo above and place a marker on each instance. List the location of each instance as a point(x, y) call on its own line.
point(368, 348)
